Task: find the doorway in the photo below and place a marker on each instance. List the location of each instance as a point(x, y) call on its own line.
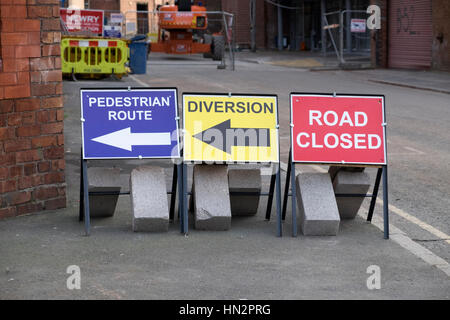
point(142, 18)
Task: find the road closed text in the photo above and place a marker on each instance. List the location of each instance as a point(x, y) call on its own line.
point(341, 129)
point(332, 140)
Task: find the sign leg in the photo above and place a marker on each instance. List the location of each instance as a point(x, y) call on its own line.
point(286, 187)
point(87, 220)
point(173, 195)
point(270, 198)
point(185, 206)
point(385, 203)
point(81, 207)
point(294, 201)
point(278, 182)
point(180, 194)
point(376, 187)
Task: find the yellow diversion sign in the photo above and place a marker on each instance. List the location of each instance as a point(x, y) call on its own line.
point(230, 128)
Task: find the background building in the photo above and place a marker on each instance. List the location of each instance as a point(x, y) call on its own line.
point(414, 33)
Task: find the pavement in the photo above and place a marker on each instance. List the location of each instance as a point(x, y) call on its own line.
point(249, 261)
point(302, 59)
point(437, 81)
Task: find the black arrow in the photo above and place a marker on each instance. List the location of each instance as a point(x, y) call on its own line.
point(223, 137)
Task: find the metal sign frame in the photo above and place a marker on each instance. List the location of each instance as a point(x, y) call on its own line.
point(84, 211)
point(382, 173)
point(275, 181)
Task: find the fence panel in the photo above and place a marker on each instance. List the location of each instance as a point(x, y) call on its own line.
point(196, 40)
point(347, 35)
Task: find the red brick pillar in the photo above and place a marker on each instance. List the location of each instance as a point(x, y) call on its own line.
point(379, 38)
point(441, 35)
point(31, 108)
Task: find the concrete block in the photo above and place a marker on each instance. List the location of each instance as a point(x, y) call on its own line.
point(318, 212)
point(103, 180)
point(149, 203)
point(333, 170)
point(244, 180)
point(350, 182)
point(212, 209)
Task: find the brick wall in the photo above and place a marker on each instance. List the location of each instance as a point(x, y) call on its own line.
point(241, 11)
point(271, 28)
point(31, 108)
point(113, 5)
point(260, 24)
point(441, 35)
point(379, 38)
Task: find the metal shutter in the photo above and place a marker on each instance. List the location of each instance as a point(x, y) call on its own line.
point(410, 34)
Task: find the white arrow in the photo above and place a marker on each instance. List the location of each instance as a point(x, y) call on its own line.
point(124, 139)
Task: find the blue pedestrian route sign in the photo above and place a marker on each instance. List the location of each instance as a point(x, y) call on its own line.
point(129, 123)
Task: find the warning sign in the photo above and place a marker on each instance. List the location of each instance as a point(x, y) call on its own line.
point(338, 129)
point(358, 25)
point(77, 20)
point(230, 128)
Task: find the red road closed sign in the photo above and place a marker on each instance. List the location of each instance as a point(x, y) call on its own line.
point(347, 129)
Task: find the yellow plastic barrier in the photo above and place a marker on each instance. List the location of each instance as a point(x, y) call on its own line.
point(153, 36)
point(94, 56)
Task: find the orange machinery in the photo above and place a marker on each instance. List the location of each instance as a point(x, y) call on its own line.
point(182, 30)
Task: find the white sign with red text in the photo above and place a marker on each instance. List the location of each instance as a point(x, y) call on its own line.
point(82, 20)
point(358, 25)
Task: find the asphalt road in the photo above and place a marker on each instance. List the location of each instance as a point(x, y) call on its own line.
point(247, 261)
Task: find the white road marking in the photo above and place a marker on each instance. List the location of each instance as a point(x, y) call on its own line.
point(142, 83)
point(410, 152)
point(425, 226)
point(414, 150)
point(406, 242)
point(399, 236)
point(390, 154)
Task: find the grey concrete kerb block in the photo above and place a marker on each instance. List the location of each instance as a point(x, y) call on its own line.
point(212, 209)
point(149, 199)
point(347, 182)
point(244, 180)
point(333, 170)
point(318, 212)
point(103, 180)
